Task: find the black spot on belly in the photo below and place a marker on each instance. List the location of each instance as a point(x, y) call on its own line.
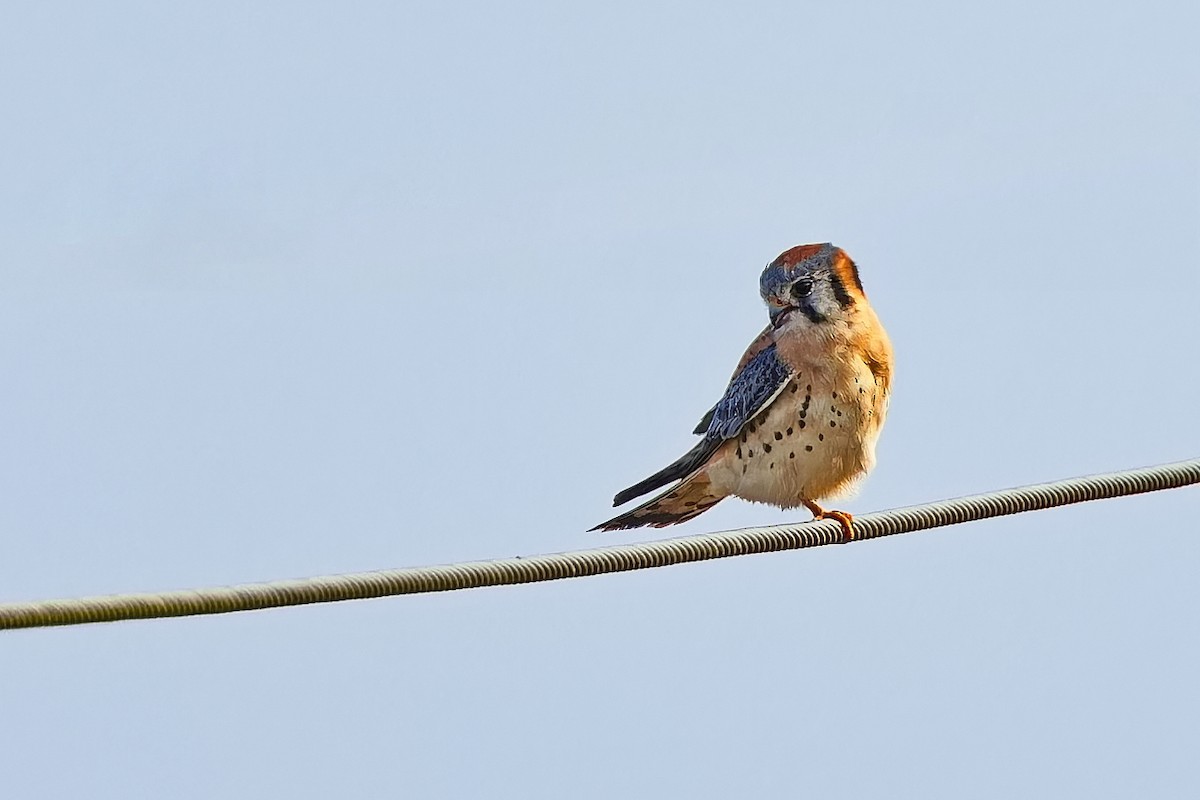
point(802, 424)
point(752, 427)
point(749, 454)
point(808, 447)
point(835, 395)
point(832, 424)
point(792, 454)
point(739, 451)
point(820, 437)
point(766, 447)
point(789, 431)
point(779, 436)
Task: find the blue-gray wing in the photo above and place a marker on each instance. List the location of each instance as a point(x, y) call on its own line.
point(752, 389)
point(760, 343)
point(763, 377)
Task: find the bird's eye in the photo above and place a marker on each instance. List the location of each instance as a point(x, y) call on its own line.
point(802, 288)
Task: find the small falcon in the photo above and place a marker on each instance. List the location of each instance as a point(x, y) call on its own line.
point(801, 415)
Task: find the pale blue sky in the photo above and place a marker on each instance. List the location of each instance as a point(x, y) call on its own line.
point(318, 288)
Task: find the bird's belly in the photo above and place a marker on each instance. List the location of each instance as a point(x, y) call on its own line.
point(811, 443)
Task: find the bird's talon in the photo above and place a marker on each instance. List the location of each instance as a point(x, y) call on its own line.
point(846, 521)
point(844, 518)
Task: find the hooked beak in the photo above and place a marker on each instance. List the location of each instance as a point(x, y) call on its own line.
point(778, 311)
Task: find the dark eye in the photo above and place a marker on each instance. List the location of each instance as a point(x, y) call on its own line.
point(802, 288)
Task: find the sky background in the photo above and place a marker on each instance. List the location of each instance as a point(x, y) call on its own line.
point(295, 289)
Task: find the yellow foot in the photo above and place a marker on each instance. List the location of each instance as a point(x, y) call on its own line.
point(843, 517)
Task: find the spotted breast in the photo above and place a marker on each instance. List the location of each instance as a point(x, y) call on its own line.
point(817, 440)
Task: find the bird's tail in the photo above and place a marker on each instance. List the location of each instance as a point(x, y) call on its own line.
point(691, 498)
point(684, 466)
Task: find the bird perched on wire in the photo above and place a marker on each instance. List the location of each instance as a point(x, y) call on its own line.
point(803, 410)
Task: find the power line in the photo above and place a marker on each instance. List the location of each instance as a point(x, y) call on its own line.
point(619, 558)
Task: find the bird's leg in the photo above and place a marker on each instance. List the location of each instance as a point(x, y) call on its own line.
point(843, 517)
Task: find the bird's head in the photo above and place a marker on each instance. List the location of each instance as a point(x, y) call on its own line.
point(810, 285)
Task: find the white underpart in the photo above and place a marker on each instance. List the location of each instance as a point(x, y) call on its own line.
point(842, 454)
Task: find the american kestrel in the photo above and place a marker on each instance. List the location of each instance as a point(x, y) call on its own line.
point(803, 410)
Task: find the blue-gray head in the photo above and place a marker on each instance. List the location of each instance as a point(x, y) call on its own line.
point(819, 281)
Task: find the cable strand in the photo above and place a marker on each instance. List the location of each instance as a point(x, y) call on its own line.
point(582, 563)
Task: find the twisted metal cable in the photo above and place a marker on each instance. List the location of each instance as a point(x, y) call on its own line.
point(474, 574)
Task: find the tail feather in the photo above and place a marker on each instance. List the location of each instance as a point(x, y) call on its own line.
point(688, 463)
point(679, 504)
